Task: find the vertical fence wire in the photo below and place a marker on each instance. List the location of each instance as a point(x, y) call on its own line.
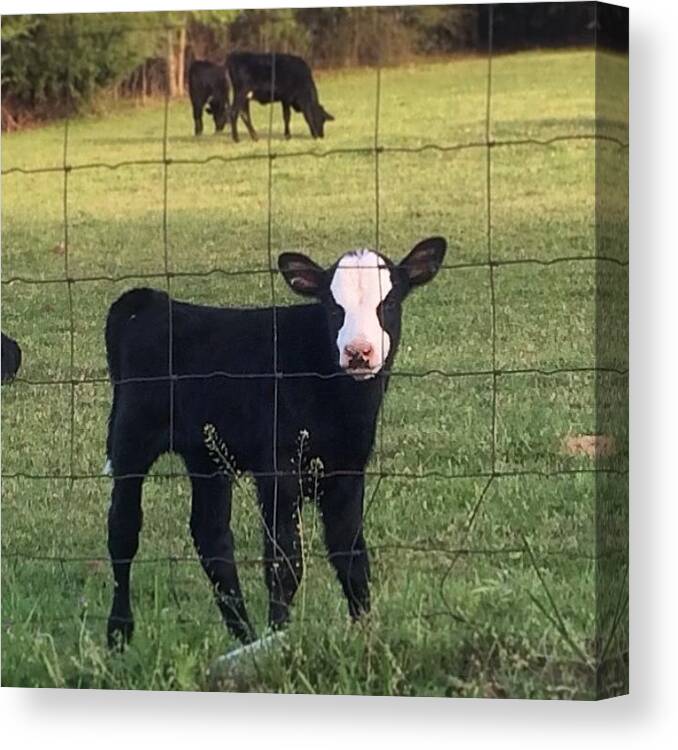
point(377, 247)
point(71, 311)
point(69, 283)
point(274, 312)
point(490, 264)
point(166, 258)
point(490, 259)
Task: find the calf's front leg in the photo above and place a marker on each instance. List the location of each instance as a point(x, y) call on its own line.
point(341, 504)
point(284, 565)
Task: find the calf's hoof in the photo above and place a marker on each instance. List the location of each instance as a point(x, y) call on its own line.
point(119, 632)
point(359, 610)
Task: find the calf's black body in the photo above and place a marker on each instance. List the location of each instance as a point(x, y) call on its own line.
point(263, 378)
point(338, 413)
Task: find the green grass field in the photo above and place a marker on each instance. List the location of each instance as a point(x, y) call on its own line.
point(515, 616)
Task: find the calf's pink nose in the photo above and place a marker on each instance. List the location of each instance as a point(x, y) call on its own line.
point(358, 349)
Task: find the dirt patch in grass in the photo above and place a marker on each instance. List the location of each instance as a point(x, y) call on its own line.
point(593, 446)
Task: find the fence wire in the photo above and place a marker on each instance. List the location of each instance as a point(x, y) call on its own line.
point(448, 556)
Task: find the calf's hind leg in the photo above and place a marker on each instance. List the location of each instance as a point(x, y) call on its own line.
point(124, 525)
point(131, 453)
point(129, 461)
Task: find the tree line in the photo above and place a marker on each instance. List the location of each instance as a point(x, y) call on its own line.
point(55, 64)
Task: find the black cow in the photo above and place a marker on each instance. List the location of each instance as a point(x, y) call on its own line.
point(325, 380)
point(274, 77)
point(207, 84)
point(11, 359)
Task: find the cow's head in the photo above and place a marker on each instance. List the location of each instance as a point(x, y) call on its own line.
point(321, 117)
point(220, 111)
point(362, 294)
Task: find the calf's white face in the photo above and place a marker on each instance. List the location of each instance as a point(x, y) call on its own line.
point(360, 284)
point(362, 294)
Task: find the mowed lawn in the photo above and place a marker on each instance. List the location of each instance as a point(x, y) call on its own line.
point(514, 613)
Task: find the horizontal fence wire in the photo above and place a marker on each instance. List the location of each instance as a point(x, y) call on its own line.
point(88, 380)
point(258, 560)
point(274, 271)
point(383, 473)
point(363, 150)
point(491, 264)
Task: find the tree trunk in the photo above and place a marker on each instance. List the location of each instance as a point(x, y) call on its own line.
point(143, 83)
point(171, 75)
point(181, 61)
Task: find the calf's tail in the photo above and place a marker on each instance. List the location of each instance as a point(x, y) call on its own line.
point(124, 309)
point(121, 312)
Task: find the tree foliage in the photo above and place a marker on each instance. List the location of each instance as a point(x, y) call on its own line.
point(61, 60)
point(56, 63)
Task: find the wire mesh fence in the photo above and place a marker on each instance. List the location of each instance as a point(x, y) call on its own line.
point(443, 557)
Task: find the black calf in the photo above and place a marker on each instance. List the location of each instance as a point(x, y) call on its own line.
point(270, 78)
point(207, 84)
point(11, 359)
point(222, 363)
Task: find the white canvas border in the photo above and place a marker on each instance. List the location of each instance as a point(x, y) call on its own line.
point(52, 719)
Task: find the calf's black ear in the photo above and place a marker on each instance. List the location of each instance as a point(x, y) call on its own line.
point(328, 116)
point(422, 263)
point(303, 275)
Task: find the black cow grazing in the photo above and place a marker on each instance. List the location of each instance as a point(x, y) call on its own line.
point(332, 361)
point(207, 85)
point(287, 80)
point(11, 359)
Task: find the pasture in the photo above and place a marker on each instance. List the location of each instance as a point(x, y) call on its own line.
point(511, 614)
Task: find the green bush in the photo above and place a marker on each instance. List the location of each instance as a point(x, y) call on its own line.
point(60, 61)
